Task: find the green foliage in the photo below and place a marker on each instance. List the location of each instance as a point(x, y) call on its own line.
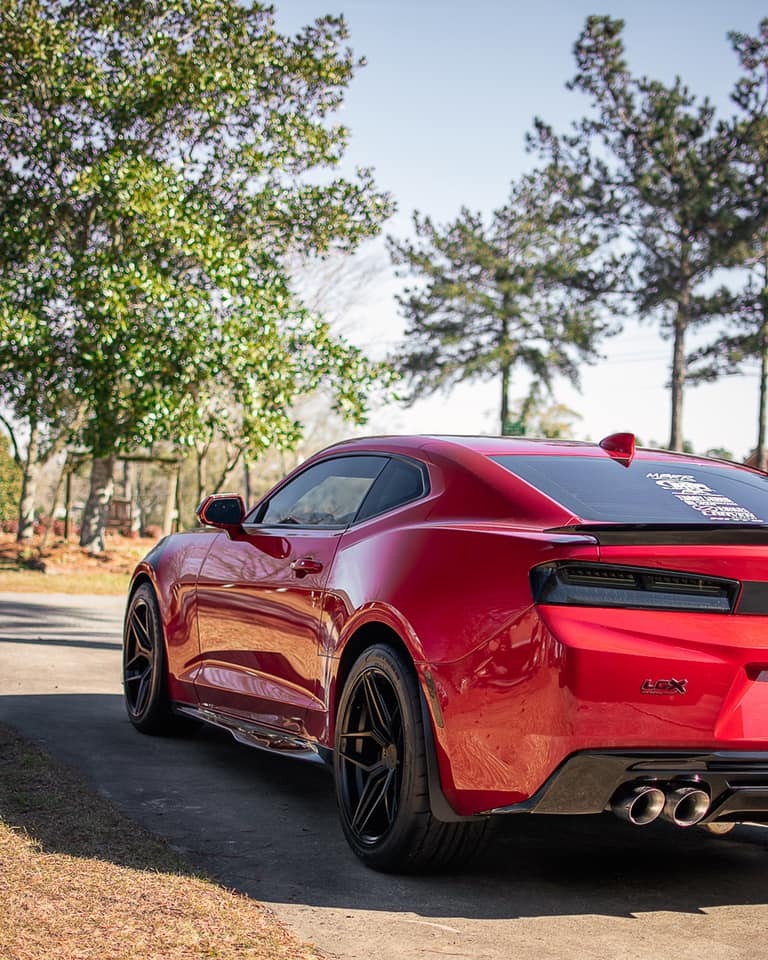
point(533, 417)
point(657, 163)
point(156, 168)
point(745, 339)
point(720, 453)
point(10, 480)
point(519, 292)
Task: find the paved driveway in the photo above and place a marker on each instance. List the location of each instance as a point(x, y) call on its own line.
point(550, 888)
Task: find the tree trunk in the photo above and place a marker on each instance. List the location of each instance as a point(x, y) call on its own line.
point(29, 481)
point(51, 518)
point(96, 511)
point(200, 463)
point(140, 501)
point(247, 484)
point(229, 466)
point(506, 365)
point(761, 455)
point(171, 498)
point(505, 399)
point(678, 374)
point(68, 501)
point(129, 493)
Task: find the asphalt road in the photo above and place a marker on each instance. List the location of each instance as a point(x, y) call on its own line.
point(549, 888)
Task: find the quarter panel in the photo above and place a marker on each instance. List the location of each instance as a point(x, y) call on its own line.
point(564, 679)
point(520, 688)
point(458, 595)
point(455, 585)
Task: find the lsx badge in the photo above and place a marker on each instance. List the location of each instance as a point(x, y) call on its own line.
point(664, 686)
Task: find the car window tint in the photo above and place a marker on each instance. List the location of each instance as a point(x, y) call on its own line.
point(646, 491)
point(326, 494)
point(397, 483)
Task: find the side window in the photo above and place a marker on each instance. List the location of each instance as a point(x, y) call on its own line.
point(326, 494)
point(397, 483)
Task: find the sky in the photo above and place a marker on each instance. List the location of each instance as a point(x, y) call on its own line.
point(440, 112)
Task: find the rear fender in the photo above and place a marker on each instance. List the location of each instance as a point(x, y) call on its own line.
point(383, 616)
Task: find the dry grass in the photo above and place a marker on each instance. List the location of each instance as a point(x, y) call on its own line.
point(79, 881)
point(31, 581)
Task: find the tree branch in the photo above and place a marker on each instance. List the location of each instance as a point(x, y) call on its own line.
point(16, 453)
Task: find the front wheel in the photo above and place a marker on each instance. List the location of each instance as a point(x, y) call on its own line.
point(144, 673)
point(380, 769)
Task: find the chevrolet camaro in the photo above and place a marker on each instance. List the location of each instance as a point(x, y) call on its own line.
point(466, 628)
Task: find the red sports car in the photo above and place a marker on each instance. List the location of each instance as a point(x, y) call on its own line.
point(467, 627)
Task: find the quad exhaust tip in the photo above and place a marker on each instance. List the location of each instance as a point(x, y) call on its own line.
point(639, 803)
point(685, 806)
point(643, 802)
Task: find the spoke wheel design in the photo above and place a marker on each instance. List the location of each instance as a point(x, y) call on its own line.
point(380, 766)
point(140, 657)
point(144, 671)
point(370, 756)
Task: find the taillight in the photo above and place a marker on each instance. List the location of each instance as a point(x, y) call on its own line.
point(606, 585)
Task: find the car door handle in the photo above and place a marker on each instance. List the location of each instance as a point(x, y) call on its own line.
point(305, 565)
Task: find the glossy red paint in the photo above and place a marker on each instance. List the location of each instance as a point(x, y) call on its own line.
point(514, 688)
point(261, 631)
point(173, 567)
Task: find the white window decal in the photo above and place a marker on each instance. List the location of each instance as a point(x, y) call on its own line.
point(702, 498)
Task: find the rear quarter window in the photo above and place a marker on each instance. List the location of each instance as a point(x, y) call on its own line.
point(398, 483)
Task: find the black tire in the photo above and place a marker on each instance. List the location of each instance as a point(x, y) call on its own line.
point(380, 770)
point(145, 683)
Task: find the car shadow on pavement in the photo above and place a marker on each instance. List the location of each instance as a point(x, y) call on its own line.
point(98, 611)
point(62, 622)
point(267, 825)
point(79, 642)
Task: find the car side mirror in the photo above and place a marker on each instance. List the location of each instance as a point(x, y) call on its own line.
point(225, 510)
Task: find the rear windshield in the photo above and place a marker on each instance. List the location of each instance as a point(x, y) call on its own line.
point(646, 491)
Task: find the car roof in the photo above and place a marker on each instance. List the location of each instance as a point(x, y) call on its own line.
point(490, 446)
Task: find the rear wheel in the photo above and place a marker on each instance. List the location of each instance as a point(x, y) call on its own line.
point(381, 772)
point(144, 672)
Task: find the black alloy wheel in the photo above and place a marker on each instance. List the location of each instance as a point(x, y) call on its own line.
point(380, 769)
point(370, 748)
point(144, 679)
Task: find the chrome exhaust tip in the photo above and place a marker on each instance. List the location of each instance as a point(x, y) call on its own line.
point(639, 803)
point(685, 806)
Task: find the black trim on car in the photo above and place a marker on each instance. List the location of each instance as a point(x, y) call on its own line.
point(257, 735)
point(754, 598)
point(425, 488)
point(252, 518)
point(737, 782)
point(590, 584)
point(639, 534)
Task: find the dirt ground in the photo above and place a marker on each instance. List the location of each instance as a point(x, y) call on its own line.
point(59, 556)
point(60, 566)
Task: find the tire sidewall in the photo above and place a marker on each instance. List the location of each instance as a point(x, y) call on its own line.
point(390, 850)
point(156, 705)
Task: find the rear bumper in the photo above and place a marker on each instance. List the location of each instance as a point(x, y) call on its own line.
point(736, 782)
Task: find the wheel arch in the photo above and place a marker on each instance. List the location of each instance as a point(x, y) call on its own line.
point(147, 573)
point(141, 576)
point(366, 635)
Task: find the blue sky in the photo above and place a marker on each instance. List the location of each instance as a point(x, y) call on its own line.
point(441, 111)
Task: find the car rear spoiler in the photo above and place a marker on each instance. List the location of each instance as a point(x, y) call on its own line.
point(626, 534)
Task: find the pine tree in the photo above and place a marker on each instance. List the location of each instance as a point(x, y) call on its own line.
point(520, 292)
